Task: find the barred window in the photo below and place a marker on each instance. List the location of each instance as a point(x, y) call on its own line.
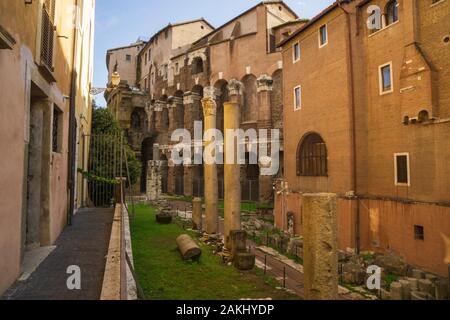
point(48, 33)
point(57, 130)
point(312, 157)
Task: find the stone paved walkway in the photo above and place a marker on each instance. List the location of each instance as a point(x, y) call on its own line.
point(84, 244)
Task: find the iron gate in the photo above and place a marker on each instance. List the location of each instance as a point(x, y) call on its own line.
point(99, 171)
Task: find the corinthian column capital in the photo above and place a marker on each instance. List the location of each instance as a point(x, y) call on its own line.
point(264, 83)
point(235, 87)
point(211, 92)
point(209, 107)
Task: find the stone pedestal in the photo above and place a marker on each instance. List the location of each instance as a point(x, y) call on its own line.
point(238, 242)
point(154, 181)
point(197, 212)
point(232, 173)
point(244, 261)
point(210, 171)
point(320, 247)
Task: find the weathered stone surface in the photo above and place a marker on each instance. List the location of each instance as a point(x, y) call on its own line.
point(442, 289)
point(295, 247)
point(188, 248)
point(197, 213)
point(353, 273)
point(154, 180)
point(406, 289)
point(244, 261)
point(418, 274)
point(396, 291)
point(238, 240)
point(392, 264)
point(385, 295)
point(431, 277)
point(232, 173)
point(426, 286)
point(417, 295)
point(320, 247)
point(210, 171)
point(413, 283)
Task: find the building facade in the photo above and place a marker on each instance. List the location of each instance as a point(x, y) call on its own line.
point(46, 71)
point(367, 117)
point(176, 75)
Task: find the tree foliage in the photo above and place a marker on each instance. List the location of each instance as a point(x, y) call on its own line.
point(105, 157)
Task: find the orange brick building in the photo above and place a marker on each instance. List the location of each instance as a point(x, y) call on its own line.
point(367, 116)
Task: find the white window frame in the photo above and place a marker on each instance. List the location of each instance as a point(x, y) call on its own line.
point(294, 60)
point(408, 168)
point(297, 108)
point(380, 78)
point(319, 35)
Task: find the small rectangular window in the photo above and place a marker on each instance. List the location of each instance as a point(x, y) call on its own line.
point(402, 170)
point(57, 130)
point(419, 233)
point(272, 43)
point(297, 98)
point(296, 52)
point(323, 36)
point(177, 67)
point(386, 85)
point(128, 57)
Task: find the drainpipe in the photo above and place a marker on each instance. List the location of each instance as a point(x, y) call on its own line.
point(72, 127)
point(353, 126)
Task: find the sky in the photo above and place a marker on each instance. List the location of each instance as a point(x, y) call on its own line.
point(120, 23)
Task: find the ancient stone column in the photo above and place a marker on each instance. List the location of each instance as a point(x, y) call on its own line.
point(232, 172)
point(156, 156)
point(154, 185)
point(191, 102)
point(210, 170)
point(175, 103)
point(188, 179)
point(197, 212)
point(320, 247)
point(158, 115)
point(171, 176)
point(264, 89)
point(149, 110)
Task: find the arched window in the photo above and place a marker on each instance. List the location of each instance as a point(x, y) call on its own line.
point(312, 157)
point(391, 12)
point(197, 65)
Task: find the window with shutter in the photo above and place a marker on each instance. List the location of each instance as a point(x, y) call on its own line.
point(48, 34)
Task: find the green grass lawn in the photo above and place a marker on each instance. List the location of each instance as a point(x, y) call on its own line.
point(163, 275)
